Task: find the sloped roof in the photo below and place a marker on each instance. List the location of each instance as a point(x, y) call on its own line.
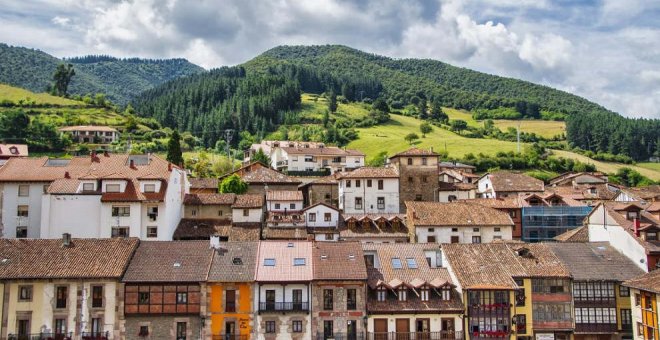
point(649, 282)
point(455, 214)
point(234, 262)
point(647, 193)
point(88, 128)
point(13, 150)
point(203, 183)
point(170, 261)
point(339, 261)
point(497, 203)
point(579, 234)
point(209, 199)
point(596, 261)
point(371, 172)
point(284, 195)
point(415, 152)
point(507, 181)
point(199, 229)
point(248, 201)
point(49, 259)
point(284, 253)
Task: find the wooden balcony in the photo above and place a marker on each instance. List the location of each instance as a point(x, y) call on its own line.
point(274, 307)
point(590, 328)
point(442, 335)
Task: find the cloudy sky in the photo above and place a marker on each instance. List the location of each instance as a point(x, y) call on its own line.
point(605, 50)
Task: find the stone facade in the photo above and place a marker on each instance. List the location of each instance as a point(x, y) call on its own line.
point(321, 193)
point(162, 327)
point(260, 188)
point(340, 315)
point(418, 179)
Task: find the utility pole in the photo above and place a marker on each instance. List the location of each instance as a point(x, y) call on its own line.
point(361, 94)
point(518, 136)
point(229, 134)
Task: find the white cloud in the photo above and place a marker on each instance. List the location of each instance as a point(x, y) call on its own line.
point(548, 51)
point(62, 21)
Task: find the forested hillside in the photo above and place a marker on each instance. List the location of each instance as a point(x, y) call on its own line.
point(225, 98)
point(119, 79)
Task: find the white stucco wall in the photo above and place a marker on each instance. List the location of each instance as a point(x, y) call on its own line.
point(254, 215)
point(484, 185)
point(618, 237)
point(443, 234)
point(443, 196)
point(10, 204)
point(79, 215)
point(284, 205)
point(320, 211)
point(369, 195)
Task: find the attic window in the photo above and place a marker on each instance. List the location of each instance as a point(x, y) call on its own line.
point(13, 150)
point(269, 262)
point(237, 261)
point(177, 264)
point(396, 263)
point(412, 264)
point(324, 257)
point(299, 261)
point(351, 257)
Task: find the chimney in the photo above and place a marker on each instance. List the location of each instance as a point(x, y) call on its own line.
point(106, 153)
point(636, 226)
point(66, 240)
point(131, 164)
point(67, 175)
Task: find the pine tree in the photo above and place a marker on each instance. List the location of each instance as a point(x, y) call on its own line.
point(174, 154)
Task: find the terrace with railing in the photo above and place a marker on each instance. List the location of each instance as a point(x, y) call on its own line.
point(283, 307)
point(442, 335)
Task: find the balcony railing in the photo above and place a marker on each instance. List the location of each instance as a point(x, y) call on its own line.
point(41, 336)
point(230, 337)
point(95, 335)
point(283, 307)
point(340, 336)
point(230, 307)
point(443, 335)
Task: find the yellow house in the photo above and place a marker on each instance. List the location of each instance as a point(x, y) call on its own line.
point(645, 292)
point(62, 287)
point(230, 283)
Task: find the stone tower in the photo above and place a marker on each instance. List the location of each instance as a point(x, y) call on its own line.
point(418, 171)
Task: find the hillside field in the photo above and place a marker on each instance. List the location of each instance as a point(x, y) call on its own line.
point(543, 128)
point(389, 137)
point(15, 94)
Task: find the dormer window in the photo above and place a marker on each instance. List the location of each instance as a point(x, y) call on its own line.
point(424, 293)
point(381, 293)
point(87, 187)
point(112, 188)
point(631, 215)
point(150, 188)
point(403, 293)
point(651, 236)
point(446, 293)
point(13, 150)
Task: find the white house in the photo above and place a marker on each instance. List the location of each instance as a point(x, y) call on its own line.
point(109, 195)
point(248, 208)
point(507, 184)
point(284, 201)
point(630, 229)
point(283, 290)
point(322, 221)
point(91, 134)
point(324, 157)
point(457, 222)
point(369, 190)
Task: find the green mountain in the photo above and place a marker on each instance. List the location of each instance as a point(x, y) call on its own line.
point(119, 79)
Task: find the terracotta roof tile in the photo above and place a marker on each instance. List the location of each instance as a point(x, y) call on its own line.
point(649, 282)
point(285, 233)
point(203, 183)
point(170, 261)
point(647, 193)
point(88, 128)
point(455, 214)
point(371, 172)
point(415, 152)
point(199, 229)
point(478, 266)
point(339, 261)
point(506, 181)
point(13, 150)
point(284, 253)
point(497, 203)
point(248, 201)
point(284, 195)
point(49, 259)
point(234, 262)
point(595, 261)
point(579, 234)
point(209, 199)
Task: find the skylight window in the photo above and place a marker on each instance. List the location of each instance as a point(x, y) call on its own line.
point(396, 263)
point(412, 264)
point(299, 261)
point(269, 262)
point(237, 261)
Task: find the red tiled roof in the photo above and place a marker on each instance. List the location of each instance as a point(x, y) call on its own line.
point(415, 152)
point(456, 214)
point(209, 199)
point(579, 234)
point(284, 269)
point(284, 195)
point(13, 150)
point(170, 261)
point(203, 183)
point(339, 261)
point(199, 229)
point(248, 201)
point(597, 261)
point(506, 181)
point(49, 259)
point(497, 203)
point(649, 282)
point(371, 172)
